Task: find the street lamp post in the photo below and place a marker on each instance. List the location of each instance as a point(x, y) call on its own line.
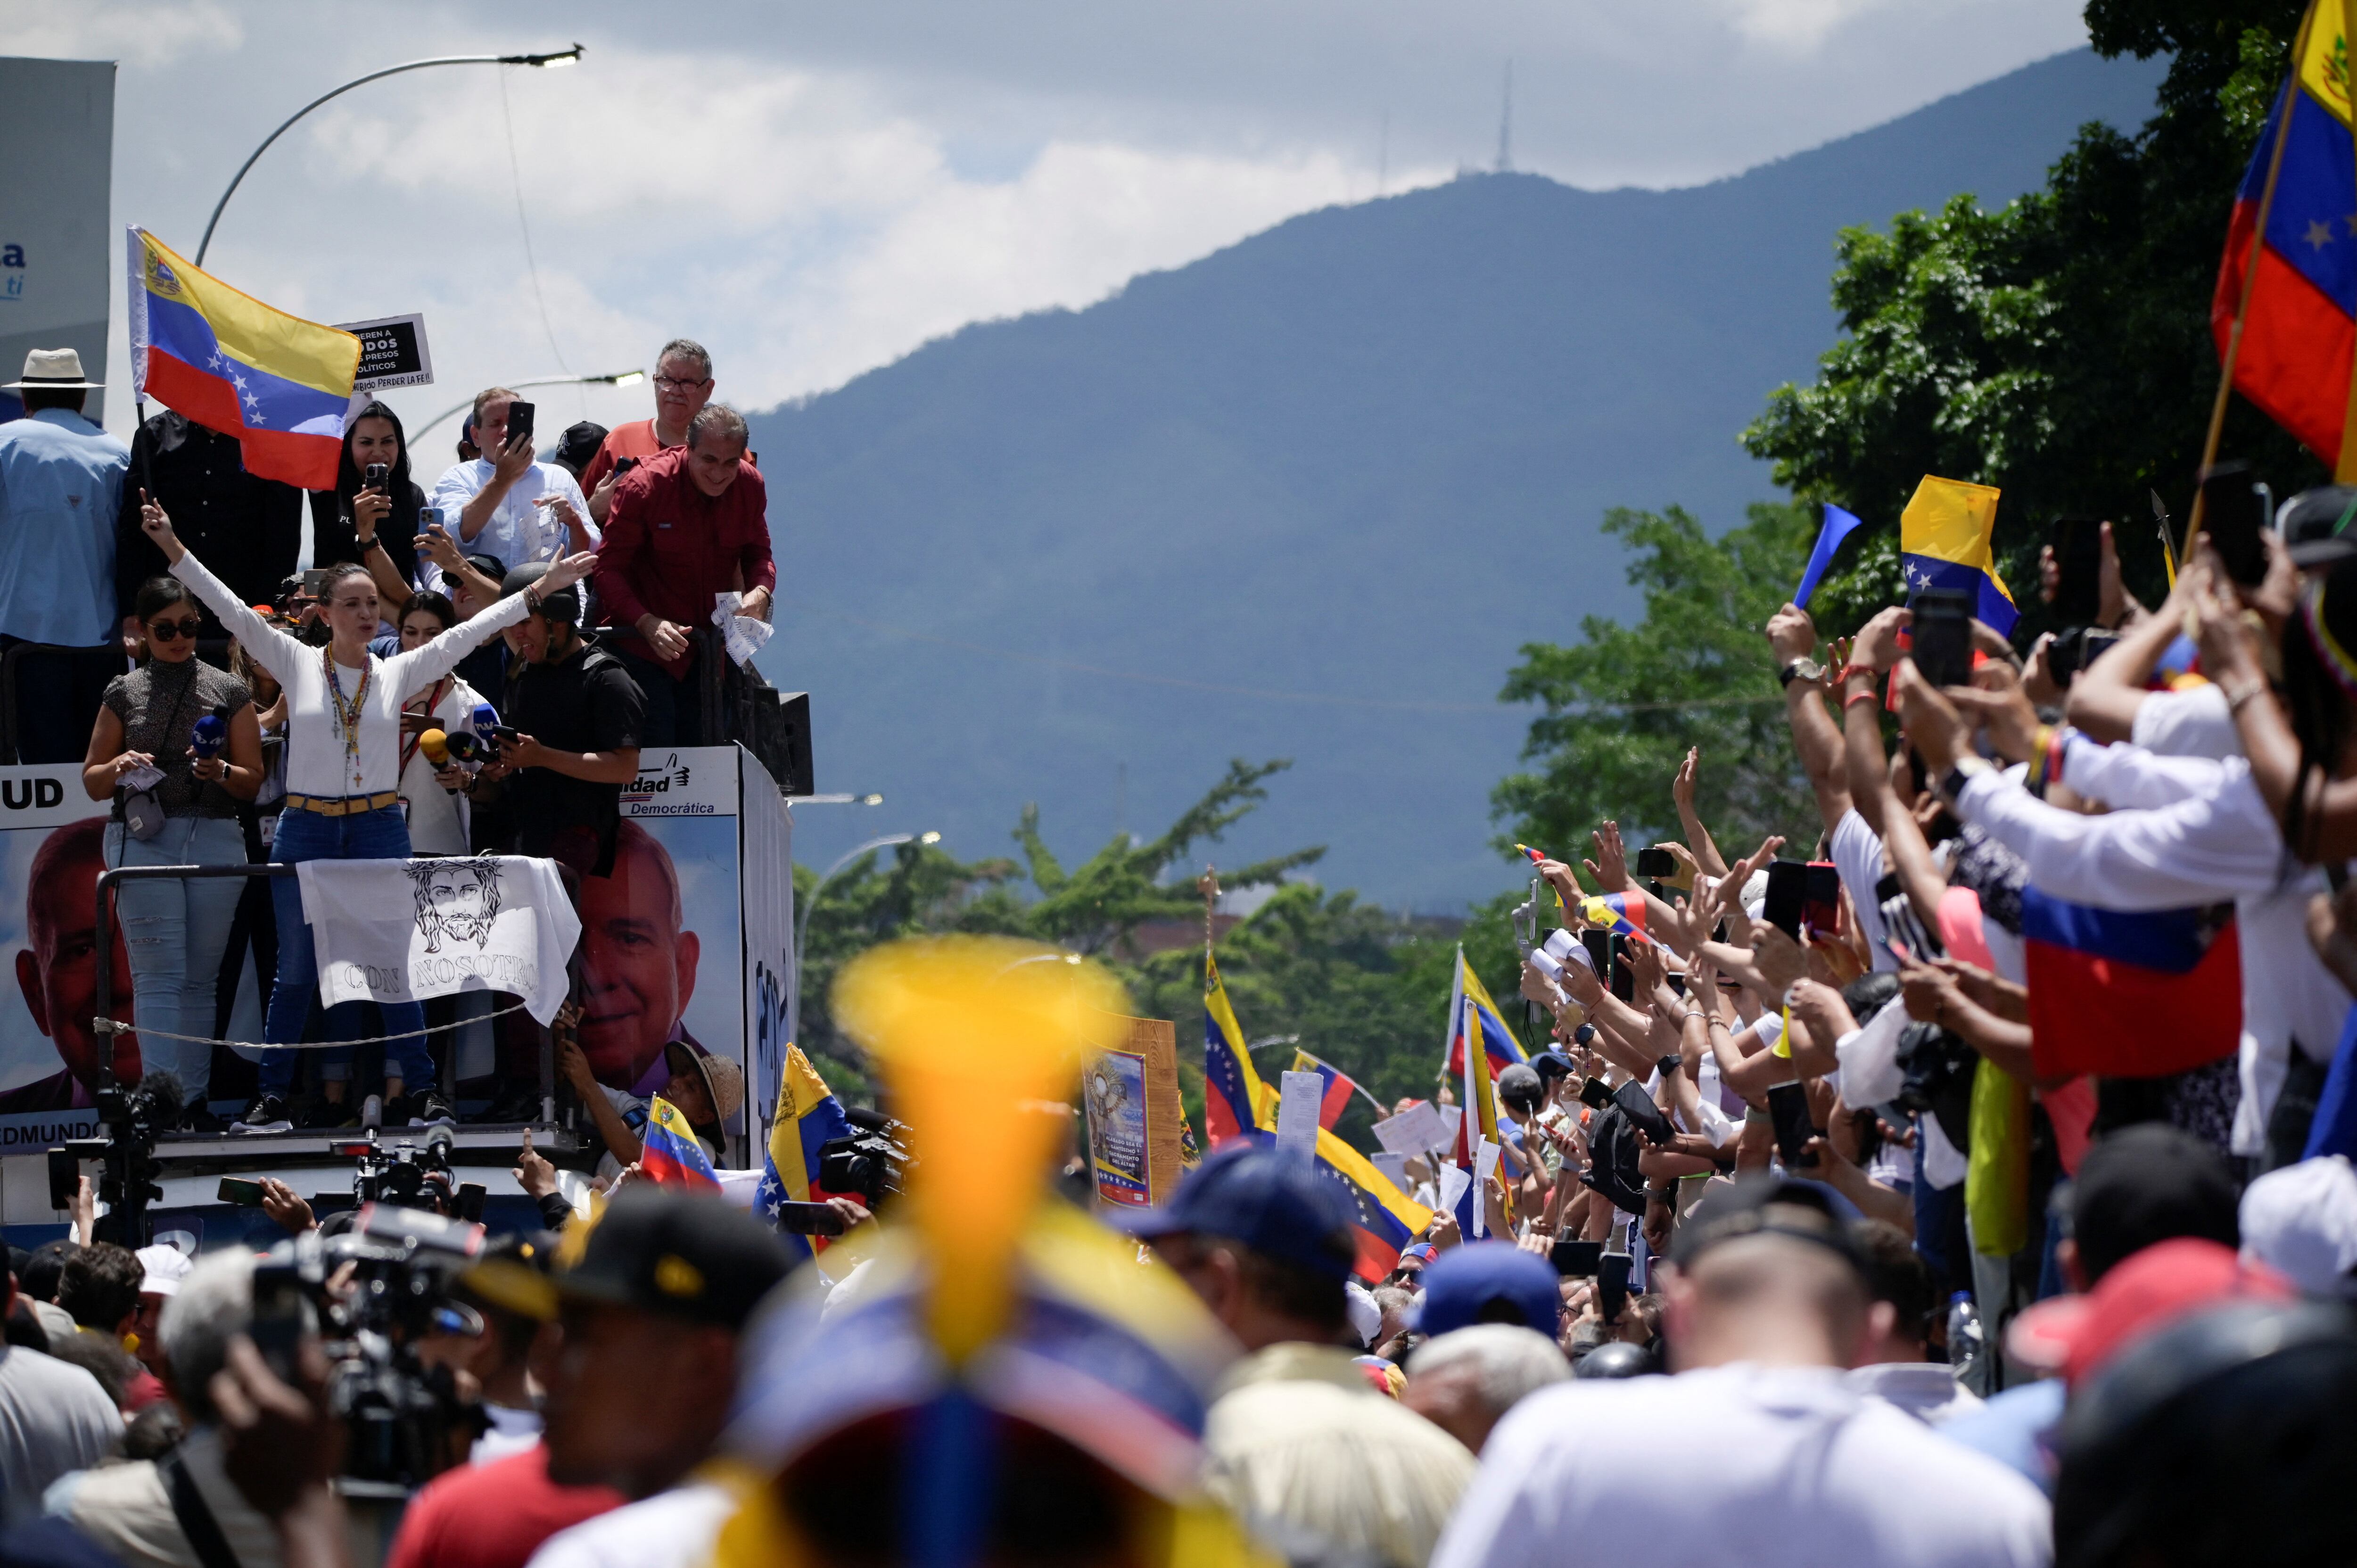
point(802, 921)
point(619, 378)
point(558, 58)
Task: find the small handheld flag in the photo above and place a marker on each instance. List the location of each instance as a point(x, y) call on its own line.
point(1943, 542)
point(808, 1116)
point(278, 383)
point(1623, 914)
point(1838, 527)
point(670, 1153)
point(1536, 858)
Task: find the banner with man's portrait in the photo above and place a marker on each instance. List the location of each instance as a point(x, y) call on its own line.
point(51, 852)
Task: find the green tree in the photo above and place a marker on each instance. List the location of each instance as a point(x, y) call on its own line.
point(1621, 707)
point(2061, 348)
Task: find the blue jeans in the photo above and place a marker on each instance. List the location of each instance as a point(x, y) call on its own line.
point(307, 835)
point(175, 931)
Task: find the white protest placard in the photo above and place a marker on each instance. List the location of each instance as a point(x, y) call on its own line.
point(392, 352)
point(1392, 1165)
point(1485, 1165)
point(1454, 1180)
point(1419, 1130)
point(1451, 1118)
point(1298, 1102)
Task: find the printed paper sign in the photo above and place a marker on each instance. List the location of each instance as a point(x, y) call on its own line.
point(1392, 1166)
point(392, 352)
point(1296, 1113)
point(1113, 1091)
point(1485, 1165)
point(1419, 1130)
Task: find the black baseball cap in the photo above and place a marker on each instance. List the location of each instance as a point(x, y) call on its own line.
point(2315, 525)
point(2149, 1182)
point(1553, 1063)
point(1273, 1203)
point(579, 444)
point(678, 1253)
point(562, 606)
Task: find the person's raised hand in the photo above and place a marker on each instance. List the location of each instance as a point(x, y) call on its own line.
point(1559, 876)
point(1997, 701)
point(567, 570)
point(85, 1211)
point(1689, 868)
point(573, 1065)
point(1611, 867)
point(2277, 595)
point(157, 526)
point(2049, 575)
point(1878, 640)
point(2230, 644)
point(2038, 681)
point(1582, 985)
point(287, 1207)
point(281, 1444)
point(1779, 959)
point(2114, 606)
point(1934, 726)
point(370, 508)
point(853, 1212)
point(513, 458)
point(1926, 993)
point(1442, 1232)
point(441, 549)
point(1820, 1009)
point(1537, 1241)
point(1790, 634)
point(1682, 786)
point(532, 1171)
point(1536, 987)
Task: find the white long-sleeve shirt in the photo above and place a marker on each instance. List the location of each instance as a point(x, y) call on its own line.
point(2186, 830)
point(522, 529)
point(317, 761)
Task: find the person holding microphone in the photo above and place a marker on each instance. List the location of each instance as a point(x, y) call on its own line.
point(343, 767)
point(176, 748)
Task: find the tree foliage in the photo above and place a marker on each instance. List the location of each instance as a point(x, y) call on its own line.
point(2061, 348)
point(1621, 706)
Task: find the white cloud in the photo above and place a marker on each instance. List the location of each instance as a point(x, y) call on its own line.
point(1799, 27)
point(142, 34)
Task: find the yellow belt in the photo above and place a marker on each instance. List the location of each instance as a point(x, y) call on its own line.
point(342, 805)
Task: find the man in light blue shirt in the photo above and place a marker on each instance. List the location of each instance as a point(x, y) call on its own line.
point(61, 482)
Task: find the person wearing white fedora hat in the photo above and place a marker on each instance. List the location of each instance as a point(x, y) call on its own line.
point(60, 482)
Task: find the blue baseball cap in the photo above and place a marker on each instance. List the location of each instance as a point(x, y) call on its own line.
point(1488, 1281)
point(1273, 1203)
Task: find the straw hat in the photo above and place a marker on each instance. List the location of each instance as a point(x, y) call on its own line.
point(723, 1081)
point(54, 369)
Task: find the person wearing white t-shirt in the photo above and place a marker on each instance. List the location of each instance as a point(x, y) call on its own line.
point(505, 503)
point(1766, 1307)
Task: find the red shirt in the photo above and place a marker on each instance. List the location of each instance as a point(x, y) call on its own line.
point(633, 440)
point(668, 548)
point(492, 1516)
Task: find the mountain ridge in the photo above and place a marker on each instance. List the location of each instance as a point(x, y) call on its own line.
point(1306, 495)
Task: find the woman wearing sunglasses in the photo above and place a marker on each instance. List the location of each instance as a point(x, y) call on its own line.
point(173, 808)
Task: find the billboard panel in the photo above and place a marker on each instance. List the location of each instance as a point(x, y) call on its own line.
point(57, 240)
point(51, 851)
point(767, 845)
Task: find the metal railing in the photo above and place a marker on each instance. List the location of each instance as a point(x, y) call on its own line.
point(103, 1023)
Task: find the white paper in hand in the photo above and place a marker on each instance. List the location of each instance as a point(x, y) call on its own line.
point(1298, 1102)
point(1454, 1180)
point(1419, 1130)
point(1392, 1165)
point(747, 634)
point(1485, 1165)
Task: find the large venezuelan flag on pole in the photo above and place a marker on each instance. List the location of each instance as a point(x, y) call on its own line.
point(278, 383)
point(1237, 1104)
point(1943, 542)
point(808, 1117)
point(2295, 358)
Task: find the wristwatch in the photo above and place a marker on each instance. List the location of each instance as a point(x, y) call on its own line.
point(1951, 786)
point(1807, 669)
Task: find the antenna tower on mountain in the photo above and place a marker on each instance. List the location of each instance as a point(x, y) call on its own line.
point(1506, 124)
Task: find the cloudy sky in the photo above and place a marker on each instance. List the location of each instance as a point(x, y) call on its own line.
point(813, 190)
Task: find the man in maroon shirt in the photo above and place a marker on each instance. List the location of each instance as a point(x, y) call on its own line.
point(686, 525)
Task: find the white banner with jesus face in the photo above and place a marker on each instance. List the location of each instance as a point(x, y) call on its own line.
point(401, 930)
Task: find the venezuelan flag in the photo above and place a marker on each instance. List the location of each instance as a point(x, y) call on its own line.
point(1339, 1086)
point(1498, 1042)
point(2128, 995)
point(2301, 322)
point(808, 1118)
point(278, 383)
point(1623, 914)
point(1238, 1104)
point(1943, 542)
point(670, 1152)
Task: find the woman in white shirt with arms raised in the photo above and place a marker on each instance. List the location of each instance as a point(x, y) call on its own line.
point(343, 769)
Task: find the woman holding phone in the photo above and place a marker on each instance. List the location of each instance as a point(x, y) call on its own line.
point(176, 783)
point(343, 767)
point(374, 499)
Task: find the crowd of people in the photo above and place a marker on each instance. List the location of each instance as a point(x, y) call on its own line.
point(1971, 1185)
point(233, 710)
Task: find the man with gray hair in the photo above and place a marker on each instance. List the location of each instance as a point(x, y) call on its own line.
point(686, 526)
point(683, 386)
point(1464, 1380)
point(134, 1511)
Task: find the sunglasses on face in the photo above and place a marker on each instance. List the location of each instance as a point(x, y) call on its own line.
point(166, 630)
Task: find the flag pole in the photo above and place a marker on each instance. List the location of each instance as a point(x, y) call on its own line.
point(1208, 884)
point(2250, 271)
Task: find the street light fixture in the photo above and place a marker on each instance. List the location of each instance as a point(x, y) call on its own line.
point(871, 798)
point(619, 378)
point(802, 919)
point(546, 61)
